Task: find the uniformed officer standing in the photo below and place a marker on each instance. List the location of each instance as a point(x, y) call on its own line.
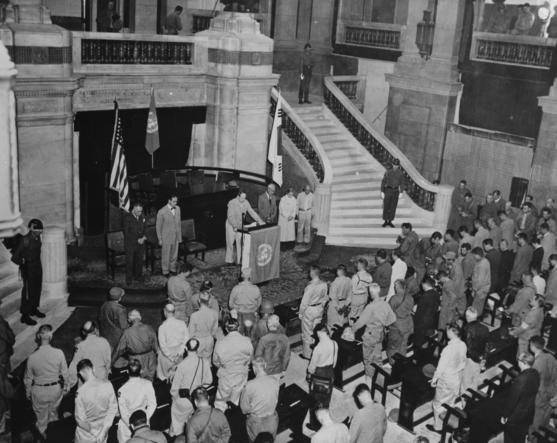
point(191, 373)
point(305, 206)
point(260, 328)
point(259, 402)
point(46, 379)
point(392, 187)
point(93, 348)
point(237, 208)
point(306, 70)
point(206, 291)
point(340, 297)
point(360, 282)
point(311, 308)
point(376, 316)
point(136, 393)
point(245, 299)
point(274, 348)
point(232, 357)
point(95, 406)
point(180, 293)
point(138, 342)
point(113, 318)
point(173, 335)
point(27, 255)
point(204, 325)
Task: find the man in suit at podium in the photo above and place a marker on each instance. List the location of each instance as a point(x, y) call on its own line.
point(237, 208)
point(267, 205)
point(169, 233)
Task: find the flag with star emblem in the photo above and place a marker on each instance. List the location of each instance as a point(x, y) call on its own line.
point(152, 142)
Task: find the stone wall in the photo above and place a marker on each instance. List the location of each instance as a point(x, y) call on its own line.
point(485, 160)
point(377, 90)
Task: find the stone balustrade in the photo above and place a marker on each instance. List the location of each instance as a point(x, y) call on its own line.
point(520, 50)
point(105, 53)
point(374, 35)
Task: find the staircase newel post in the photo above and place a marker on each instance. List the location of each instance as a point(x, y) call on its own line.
point(55, 268)
point(322, 208)
point(442, 208)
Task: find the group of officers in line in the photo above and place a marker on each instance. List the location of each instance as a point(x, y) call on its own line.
point(181, 353)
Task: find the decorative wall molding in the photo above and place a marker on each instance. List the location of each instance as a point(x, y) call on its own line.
point(40, 55)
point(240, 57)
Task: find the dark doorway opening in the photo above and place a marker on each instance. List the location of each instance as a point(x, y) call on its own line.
point(95, 137)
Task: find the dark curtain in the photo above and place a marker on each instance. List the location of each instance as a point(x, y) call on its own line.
point(95, 137)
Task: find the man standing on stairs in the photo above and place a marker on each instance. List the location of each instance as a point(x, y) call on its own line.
point(27, 256)
point(306, 69)
point(305, 204)
point(391, 188)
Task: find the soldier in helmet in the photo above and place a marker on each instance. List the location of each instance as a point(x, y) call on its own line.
point(260, 329)
point(27, 255)
point(392, 187)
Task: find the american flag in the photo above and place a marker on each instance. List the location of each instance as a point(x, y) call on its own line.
point(119, 172)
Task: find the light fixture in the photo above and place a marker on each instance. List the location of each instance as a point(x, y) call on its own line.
point(424, 35)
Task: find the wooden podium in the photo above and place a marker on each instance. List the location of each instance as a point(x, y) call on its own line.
point(261, 252)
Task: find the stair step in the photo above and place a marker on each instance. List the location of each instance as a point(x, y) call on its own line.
point(323, 131)
point(367, 203)
point(347, 158)
point(346, 152)
point(319, 123)
point(377, 231)
point(348, 215)
point(9, 286)
point(357, 169)
point(336, 137)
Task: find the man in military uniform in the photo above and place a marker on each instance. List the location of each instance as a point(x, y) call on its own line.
point(95, 406)
point(259, 402)
point(113, 318)
point(306, 70)
point(27, 255)
point(46, 379)
point(245, 300)
point(274, 348)
point(260, 328)
point(204, 325)
point(232, 357)
point(360, 282)
point(180, 293)
point(267, 205)
point(141, 431)
point(138, 342)
point(311, 309)
point(383, 271)
point(392, 187)
point(237, 208)
point(207, 424)
point(192, 372)
point(93, 348)
point(173, 336)
point(136, 394)
point(481, 280)
point(7, 341)
point(305, 207)
point(134, 242)
point(408, 243)
point(376, 316)
point(340, 297)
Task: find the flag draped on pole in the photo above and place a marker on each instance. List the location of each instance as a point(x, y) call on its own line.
point(118, 170)
point(273, 157)
point(152, 142)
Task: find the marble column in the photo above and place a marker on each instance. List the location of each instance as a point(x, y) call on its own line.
point(544, 179)
point(54, 261)
point(10, 217)
point(238, 93)
point(322, 208)
point(423, 92)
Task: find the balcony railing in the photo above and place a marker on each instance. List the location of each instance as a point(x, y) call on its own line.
point(520, 50)
point(96, 52)
point(373, 35)
point(429, 197)
point(304, 140)
point(135, 52)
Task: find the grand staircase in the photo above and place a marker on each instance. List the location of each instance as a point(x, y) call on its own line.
point(354, 167)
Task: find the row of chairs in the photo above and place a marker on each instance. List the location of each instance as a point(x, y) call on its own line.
point(116, 251)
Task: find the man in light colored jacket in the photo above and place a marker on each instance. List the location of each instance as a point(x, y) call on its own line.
point(169, 234)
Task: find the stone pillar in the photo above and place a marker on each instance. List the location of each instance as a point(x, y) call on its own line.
point(322, 208)
point(10, 217)
point(544, 179)
point(54, 261)
point(238, 93)
point(423, 93)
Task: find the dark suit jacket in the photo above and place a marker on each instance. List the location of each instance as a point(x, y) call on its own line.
point(505, 268)
point(494, 259)
point(425, 318)
point(530, 225)
point(266, 208)
point(475, 335)
point(520, 399)
point(134, 229)
point(537, 258)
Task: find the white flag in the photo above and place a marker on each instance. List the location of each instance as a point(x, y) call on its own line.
point(273, 157)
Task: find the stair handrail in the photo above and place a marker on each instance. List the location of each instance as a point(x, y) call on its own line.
point(322, 167)
point(425, 194)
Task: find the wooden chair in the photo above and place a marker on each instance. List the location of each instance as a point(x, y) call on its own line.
point(115, 251)
point(190, 243)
